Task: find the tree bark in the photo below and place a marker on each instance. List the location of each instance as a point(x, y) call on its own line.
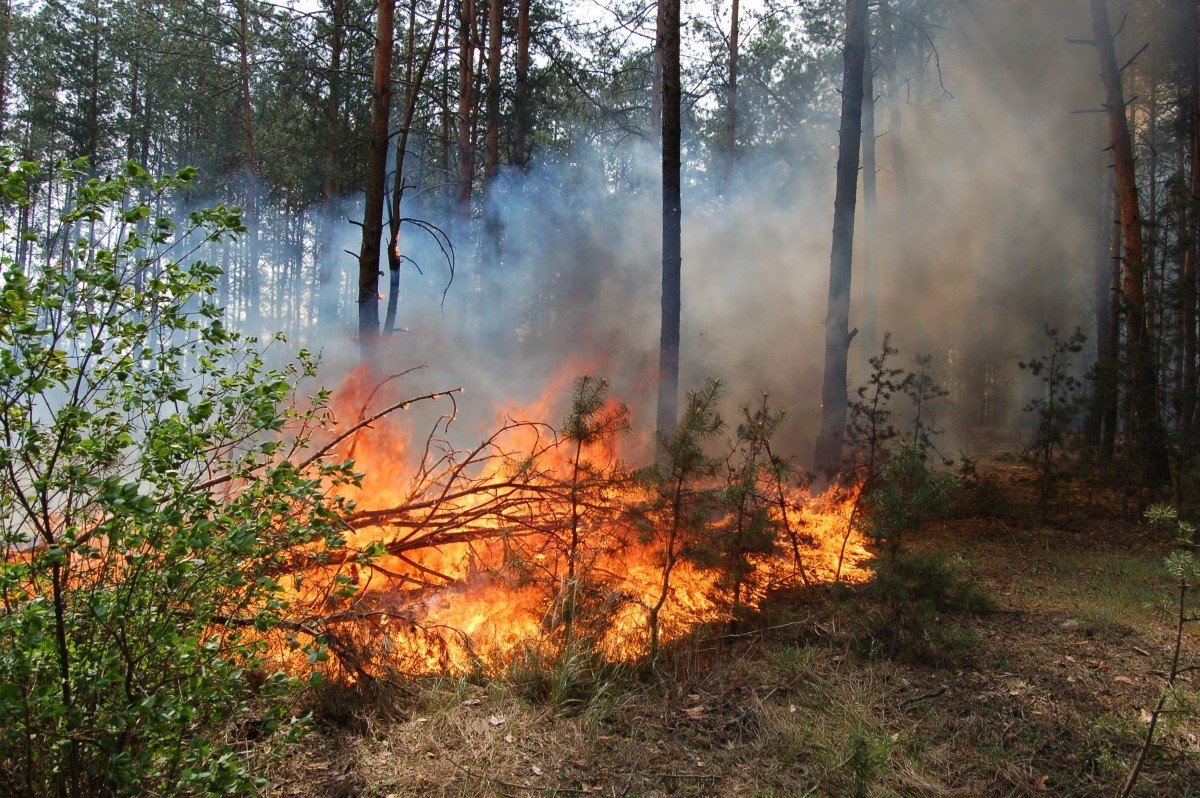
point(1192, 242)
point(253, 283)
point(1148, 433)
point(837, 334)
point(466, 88)
point(1112, 414)
point(656, 72)
point(5, 48)
point(521, 92)
point(672, 252)
point(870, 206)
point(372, 227)
point(491, 158)
point(731, 91)
point(331, 191)
point(1104, 374)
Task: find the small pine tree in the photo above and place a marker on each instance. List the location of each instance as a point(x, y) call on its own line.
point(593, 422)
point(1056, 407)
point(750, 530)
point(870, 425)
point(923, 390)
point(679, 505)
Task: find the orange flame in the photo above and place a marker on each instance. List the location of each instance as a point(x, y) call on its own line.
point(470, 548)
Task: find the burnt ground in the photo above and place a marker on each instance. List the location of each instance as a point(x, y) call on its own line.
point(1046, 695)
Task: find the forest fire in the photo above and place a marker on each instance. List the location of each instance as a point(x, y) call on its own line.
point(462, 559)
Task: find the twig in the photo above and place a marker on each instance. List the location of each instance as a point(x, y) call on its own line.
point(510, 785)
point(910, 702)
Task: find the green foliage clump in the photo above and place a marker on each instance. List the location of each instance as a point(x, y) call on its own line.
point(906, 495)
point(150, 491)
point(915, 589)
point(1057, 407)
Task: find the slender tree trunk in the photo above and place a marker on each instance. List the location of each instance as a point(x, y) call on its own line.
point(1150, 221)
point(837, 322)
point(491, 158)
point(447, 119)
point(466, 88)
point(327, 299)
point(415, 81)
point(731, 91)
point(656, 72)
point(5, 48)
point(870, 205)
point(672, 253)
point(521, 93)
point(1192, 242)
point(1104, 372)
point(253, 276)
point(888, 48)
point(372, 227)
point(1149, 436)
point(1108, 437)
point(93, 113)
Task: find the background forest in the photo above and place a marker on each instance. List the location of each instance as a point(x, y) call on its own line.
point(420, 397)
point(542, 173)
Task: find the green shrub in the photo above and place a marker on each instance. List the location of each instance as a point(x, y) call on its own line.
point(149, 491)
point(914, 589)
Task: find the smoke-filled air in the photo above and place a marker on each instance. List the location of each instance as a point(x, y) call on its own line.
point(506, 397)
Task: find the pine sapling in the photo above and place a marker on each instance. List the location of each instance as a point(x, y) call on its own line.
point(1057, 407)
point(923, 390)
point(1184, 570)
point(680, 504)
point(593, 421)
point(751, 530)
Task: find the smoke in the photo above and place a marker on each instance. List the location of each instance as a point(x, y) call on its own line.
point(994, 238)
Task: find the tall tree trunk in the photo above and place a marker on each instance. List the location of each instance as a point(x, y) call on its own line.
point(870, 206)
point(253, 283)
point(1094, 423)
point(447, 120)
point(837, 321)
point(327, 299)
point(491, 157)
point(521, 93)
point(1108, 436)
point(1192, 241)
point(731, 91)
point(415, 81)
point(1148, 433)
point(672, 252)
point(656, 71)
point(888, 47)
point(5, 48)
point(372, 227)
point(93, 110)
point(466, 88)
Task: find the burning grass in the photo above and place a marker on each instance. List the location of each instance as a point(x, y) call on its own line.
point(542, 538)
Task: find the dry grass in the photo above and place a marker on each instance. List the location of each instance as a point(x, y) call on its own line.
point(1050, 704)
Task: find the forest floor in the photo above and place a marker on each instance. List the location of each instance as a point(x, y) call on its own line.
point(1046, 695)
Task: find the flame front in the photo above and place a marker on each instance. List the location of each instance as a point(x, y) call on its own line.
point(465, 559)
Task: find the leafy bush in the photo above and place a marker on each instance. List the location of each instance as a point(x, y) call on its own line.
point(149, 492)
